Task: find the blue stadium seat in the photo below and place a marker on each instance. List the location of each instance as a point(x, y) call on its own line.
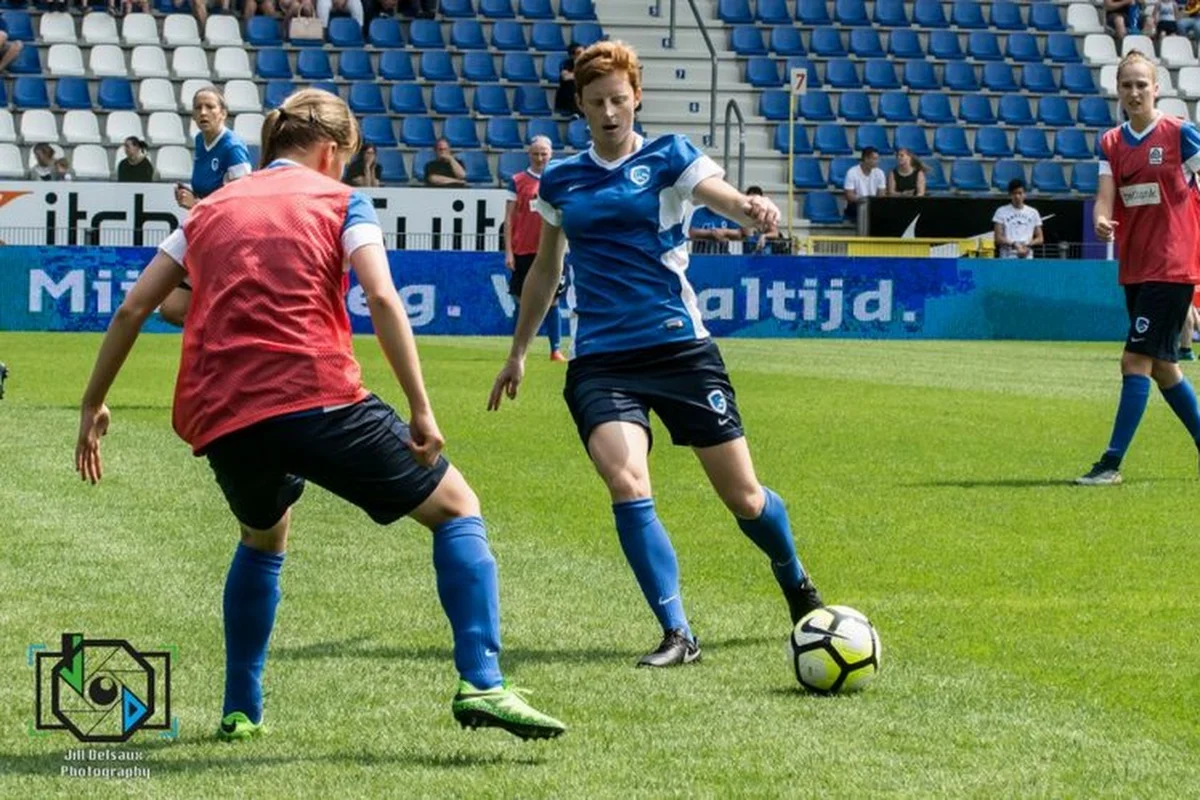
point(795, 62)
point(355, 65)
point(460, 132)
point(578, 134)
point(72, 93)
point(920, 76)
point(890, 14)
point(786, 41)
point(821, 208)
point(344, 32)
point(1045, 17)
point(535, 9)
point(1006, 16)
point(734, 12)
point(457, 8)
point(420, 161)
point(276, 92)
point(747, 40)
point(1047, 176)
point(20, 25)
point(944, 45)
point(772, 12)
point(1031, 143)
point(998, 77)
point(29, 91)
point(1085, 177)
point(838, 169)
point(391, 166)
point(983, 46)
point(905, 44)
point(935, 108)
point(547, 128)
point(1060, 48)
point(378, 131)
point(841, 73)
point(872, 136)
point(1095, 112)
point(264, 32)
point(496, 9)
point(426, 34)
point(856, 107)
point(827, 43)
point(587, 33)
point(502, 133)
point(407, 98)
point(476, 164)
point(960, 77)
point(913, 139)
point(437, 66)
point(763, 72)
point(967, 14)
point(366, 98)
point(1077, 79)
point(1023, 48)
point(929, 14)
point(519, 68)
point(491, 101)
point(418, 132)
point(314, 65)
point(807, 173)
point(851, 12)
point(992, 143)
point(467, 34)
point(547, 37)
point(326, 86)
point(880, 74)
point(255, 153)
point(1054, 111)
point(552, 66)
point(976, 109)
point(115, 94)
point(384, 32)
point(448, 98)
point(815, 107)
point(896, 107)
point(480, 67)
point(967, 176)
point(576, 10)
point(510, 164)
point(800, 139)
point(812, 12)
point(1038, 79)
point(773, 104)
point(1071, 144)
point(530, 101)
point(1004, 172)
point(830, 140)
point(950, 142)
point(272, 62)
point(864, 43)
point(1014, 110)
point(396, 65)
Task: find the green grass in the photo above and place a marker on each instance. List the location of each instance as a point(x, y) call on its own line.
point(1039, 639)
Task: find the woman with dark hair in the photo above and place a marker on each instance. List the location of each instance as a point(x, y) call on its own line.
point(364, 170)
point(907, 178)
point(135, 167)
point(564, 98)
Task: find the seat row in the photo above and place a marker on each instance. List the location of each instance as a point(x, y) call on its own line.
point(965, 175)
point(966, 14)
point(936, 109)
point(1028, 143)
point(956, 76)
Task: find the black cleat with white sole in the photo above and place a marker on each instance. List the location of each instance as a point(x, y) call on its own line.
point(675, 649)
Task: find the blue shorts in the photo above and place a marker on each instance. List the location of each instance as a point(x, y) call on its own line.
point(360, 453)
point(1157, 313)
point(685, 384)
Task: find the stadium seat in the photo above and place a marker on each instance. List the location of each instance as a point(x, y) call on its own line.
point(813, 106)
point(502, 133)
point(71, 93)
point(276, 92)
point(983, 46)
point(826, 43)
point(509, 35)
point(448, 98)
point(896, 107)
point(841, 73)
point(838, 168)
point(56, 27)
point(1060, 48)
point(90, 162)
point(491, 101)
point(772, 12)
point(29, 63)
point(992, 143)
point(535, 9)
point(378, 130)
point(577, 10)
point(436, 65)
point(830, 140)
point(998, 77)
point(479, 67)
point(547, 37)
point(1044, 17)
point(344, 32)
point(950, 142)
point(856, 107)
point(1071, 144)
point(384, 33)
point(813, 12)
point(872, 136)
point(313, 64)
point(272, 63)
point(156, 94)
point(530, 101)
point(1014, 110)
point(173, 163)
point(1178, 51)
point(1006, 16)
point(355, 65)
point(1082, 19)
point(967, 14)
point(248, 127)
point(746, 40)
point(457, 8)
point(467, 34)
point(391, 166)
point(774, 104)
point(1166, 87)
point(99, 28)
point(960, 77)
point(519, 68)
point(786, 41)
point(821, 208)
point(222, 31)
point(1047, 176)
point(976, 110)
point(919, 76)
point(800, 140)
point(1053, 111)
point(180, 30)
point(426, 34)
point(366, 98)
point(763, 72)
point(929, 14)
point(29, 91)
point(165, 127)
point(578, 134)
point(552, 66)
point(187, 93)
point(66, 59)
point(1004, 172)
point(496, 9)
point(734, 12)
point(1023, 48)
point(1173, 107)
point(1031, 143)
point(795, 62)
point(1141, 43)
point(396, 65)
point(1038, 79)
point(38, 125)
point(242, 96)
point(1189, 82)
point(509, 164)
point(913, 139)
point(905, 44)
point(880, 74)
point(189, 61)
point(477, 167)
point(890, 14)
point(417, 132)
point(545, 127)
point(11, 165)
point(944, 45)
point(120, 125)
point(935, 109)
point(1077, 79)
point(264, 31)
point(1085, 176)
point(460, 132)
point(1095, 112)
point(850, 13)
point(233, 62)
point(20, 25)
point(115, 94)
point(967, 176)
point(935, 176)
point(1098, 49)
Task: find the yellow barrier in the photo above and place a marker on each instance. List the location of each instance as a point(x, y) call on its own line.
point(879, 246)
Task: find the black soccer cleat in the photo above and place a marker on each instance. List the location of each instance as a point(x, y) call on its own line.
point(3, 375)
point(676, 648)
point(803, 599)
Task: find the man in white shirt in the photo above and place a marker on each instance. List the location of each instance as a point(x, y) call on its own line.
point(865, 179)
point(1018, 227)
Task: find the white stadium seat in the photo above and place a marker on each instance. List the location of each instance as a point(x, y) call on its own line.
point(81, 127)
point(139, 29)
point(231, 62)
point(8, 128)
point(1166, 87)
point(1143, 44)
point(1189, 82)
point(90, 162)
point(120, 125)
point(1178, 51)
point(188, 91)
point(156, 94)
point(65, 59)
point(107, 60)
point(1098, 49)
point(249, 127)
point(1173, 107)
point(242, 95)
point(100, 28)
point(165, 127)
point(193, 129)
point(10, 162)
point(1083, 18)
point(38, 126)
point(149, 61)
point(189, 62)
point(57, 27)
point(180, 29)
point(222, 31)
point(173, 163)
point(1108, 80)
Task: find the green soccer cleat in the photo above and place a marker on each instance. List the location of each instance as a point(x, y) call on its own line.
point(503, 707)
point(236, 727)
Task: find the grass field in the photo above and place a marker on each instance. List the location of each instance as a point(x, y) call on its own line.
point(1039, 639)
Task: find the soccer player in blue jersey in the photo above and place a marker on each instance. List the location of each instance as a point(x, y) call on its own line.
point(641, 345)
point(220, 157)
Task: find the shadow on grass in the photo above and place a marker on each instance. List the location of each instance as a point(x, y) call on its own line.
point(994, 483)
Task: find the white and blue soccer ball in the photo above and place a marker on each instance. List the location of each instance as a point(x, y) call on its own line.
point(835, 650)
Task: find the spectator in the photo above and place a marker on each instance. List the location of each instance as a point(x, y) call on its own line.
point(339, 8)
point(135, 167)
point(119, 7)
point(200, 9)
point(907, 179)
point(1018, 227)
point(376, 8)
point(444, 169)
point(770, 240)
point(43, 169)
point(1123, 17)
point(63, 171)
point(425, 9)
point(1160, 18)
point(364, 170)
point(565, 102)
point(296, 8)
point(260, 8)
point(1187, 19)
point(865, 179)
point(9, 50)
point(711, 233)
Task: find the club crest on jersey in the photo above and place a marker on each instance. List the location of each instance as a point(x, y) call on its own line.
point(1156, 156)
point(216, 164)
point(640, 174)
point(716, 400)
point(1141, 325)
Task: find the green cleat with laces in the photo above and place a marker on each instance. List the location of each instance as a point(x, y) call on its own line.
point(236, 727)
point(503, 707)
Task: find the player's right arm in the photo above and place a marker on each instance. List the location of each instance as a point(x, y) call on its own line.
point(509, 261)
point(1102, 212)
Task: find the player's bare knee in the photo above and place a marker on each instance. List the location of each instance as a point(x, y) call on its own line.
point(453, 498)
point(1136, 364)
point(745, 502)
point(626, 483)
point(1165, 373)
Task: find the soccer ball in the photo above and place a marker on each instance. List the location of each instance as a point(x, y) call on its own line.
point(835, 650)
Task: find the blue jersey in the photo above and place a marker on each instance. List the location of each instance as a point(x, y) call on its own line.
point(226, 159)
point(624, 223)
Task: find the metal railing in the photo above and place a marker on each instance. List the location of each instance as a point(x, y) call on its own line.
point(732, 108)
point(712, 57)
point(110, 236)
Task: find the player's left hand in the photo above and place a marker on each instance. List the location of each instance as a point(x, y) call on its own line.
point(425, 439)
point(93, 424)
point(760, 209)
point(507, 382)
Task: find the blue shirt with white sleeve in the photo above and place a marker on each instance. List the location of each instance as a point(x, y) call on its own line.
point(225, 160)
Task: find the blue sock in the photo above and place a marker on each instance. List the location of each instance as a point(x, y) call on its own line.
point(649, 552)
point(1135, 392)
point(1182, 400)
point(251, 596)
point(554, 327)
point(469, 589)
point(772, 532)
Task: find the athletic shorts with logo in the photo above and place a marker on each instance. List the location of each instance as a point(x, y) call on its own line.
point(1157, 312)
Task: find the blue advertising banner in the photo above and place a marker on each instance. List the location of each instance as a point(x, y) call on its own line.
point(77, 289)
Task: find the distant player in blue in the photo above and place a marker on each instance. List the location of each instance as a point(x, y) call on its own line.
point(220, 157)
point(641, 345)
